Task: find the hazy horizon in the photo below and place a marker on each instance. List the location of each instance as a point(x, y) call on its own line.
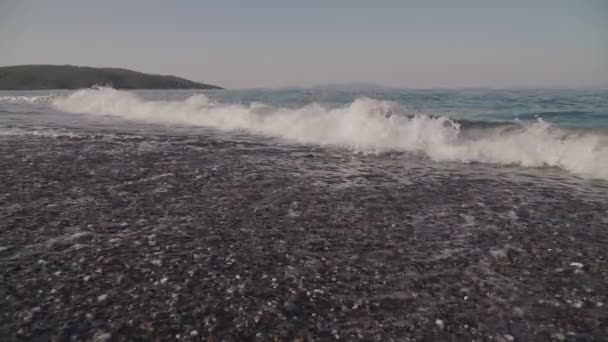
point(237, 44)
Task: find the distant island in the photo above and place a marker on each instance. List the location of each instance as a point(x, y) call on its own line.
point(38, 77)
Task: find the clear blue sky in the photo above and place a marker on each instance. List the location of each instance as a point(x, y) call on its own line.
point(249, 43)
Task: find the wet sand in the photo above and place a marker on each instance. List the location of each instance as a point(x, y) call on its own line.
point(120, 238)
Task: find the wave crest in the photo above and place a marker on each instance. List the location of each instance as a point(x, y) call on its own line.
point(367, 125)
point(27, 99)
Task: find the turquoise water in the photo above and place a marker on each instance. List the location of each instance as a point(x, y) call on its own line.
point(573, 108)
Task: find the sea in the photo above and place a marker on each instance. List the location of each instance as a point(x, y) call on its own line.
point(336, 212)
point(553, 131)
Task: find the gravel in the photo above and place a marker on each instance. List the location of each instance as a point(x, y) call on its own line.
point(194, 238)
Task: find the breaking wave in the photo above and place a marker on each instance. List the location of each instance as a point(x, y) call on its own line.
point(366, 125)
point(40, 132)
point(27, 99)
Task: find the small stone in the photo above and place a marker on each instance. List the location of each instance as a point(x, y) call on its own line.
point(194, 333)
point(498, 254)
point(164, 280)
point(290, 307)
point(439, 323)
point(336, 334)
point(102, 337)
point(102, 297)
point(576, 264)
point(558, 336)
point(27, 316)
point(509, 337)
point(599, 304)
point(86, 278)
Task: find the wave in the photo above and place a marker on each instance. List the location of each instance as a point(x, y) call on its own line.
point(28, 99)
point(565, 115)
point(41, 132)
point(365, 125)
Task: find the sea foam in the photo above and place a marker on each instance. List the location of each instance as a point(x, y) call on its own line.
point(27, 99)
point(365, 125)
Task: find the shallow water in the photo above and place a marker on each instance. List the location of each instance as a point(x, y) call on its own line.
point(552, 128)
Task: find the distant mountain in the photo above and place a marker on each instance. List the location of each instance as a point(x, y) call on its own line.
point(353, 86)
point(36, 77)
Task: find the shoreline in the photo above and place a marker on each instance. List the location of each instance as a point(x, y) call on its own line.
point(173, 238)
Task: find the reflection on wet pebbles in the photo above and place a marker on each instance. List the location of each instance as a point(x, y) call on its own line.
point(188, 238)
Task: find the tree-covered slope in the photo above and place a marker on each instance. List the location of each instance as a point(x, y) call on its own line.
point(33, 77)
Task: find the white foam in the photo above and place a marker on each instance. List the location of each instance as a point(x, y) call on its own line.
point(40, 132)
point(27, 99)
point(366, 125)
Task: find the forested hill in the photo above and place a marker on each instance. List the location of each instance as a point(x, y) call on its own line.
point(36, 77)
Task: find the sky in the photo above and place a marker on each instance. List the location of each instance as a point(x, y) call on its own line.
point(263, 43)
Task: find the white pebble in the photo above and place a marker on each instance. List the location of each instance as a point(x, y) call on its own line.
point(103, 337)
point(164, 280)
point(439, 323)
point(194, 333)
point(509, 337)
point(576, 264)
point(102, 297)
